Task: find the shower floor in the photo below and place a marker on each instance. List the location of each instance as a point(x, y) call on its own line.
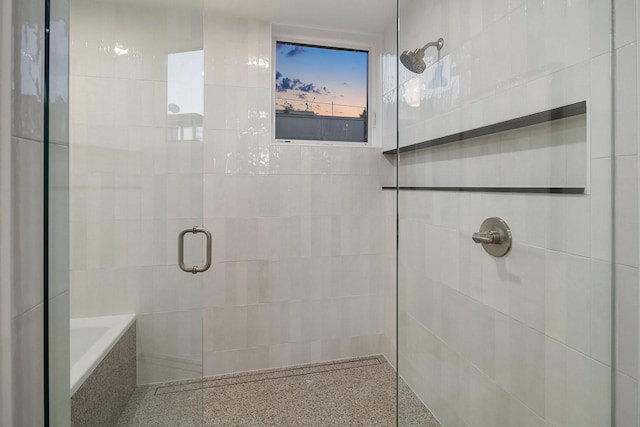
point(354, 392)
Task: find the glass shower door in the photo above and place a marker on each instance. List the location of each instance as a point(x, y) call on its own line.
point(504, 207)
point(136, 178)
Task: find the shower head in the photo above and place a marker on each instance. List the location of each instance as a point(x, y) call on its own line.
point(413, 60)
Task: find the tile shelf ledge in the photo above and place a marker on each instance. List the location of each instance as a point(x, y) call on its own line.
point(525, 190)
point(558, 113)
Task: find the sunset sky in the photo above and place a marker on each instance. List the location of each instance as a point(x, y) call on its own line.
point(328, 75)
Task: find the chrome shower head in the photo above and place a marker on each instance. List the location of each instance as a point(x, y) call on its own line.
point(413, 60)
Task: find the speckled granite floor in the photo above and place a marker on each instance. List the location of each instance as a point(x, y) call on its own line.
point(355, 392)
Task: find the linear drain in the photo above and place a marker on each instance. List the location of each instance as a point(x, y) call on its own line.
point(266, 376)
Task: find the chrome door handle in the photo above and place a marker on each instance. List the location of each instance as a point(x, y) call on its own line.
point(194, 269)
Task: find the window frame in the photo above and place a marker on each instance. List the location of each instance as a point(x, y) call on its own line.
point(302, 38)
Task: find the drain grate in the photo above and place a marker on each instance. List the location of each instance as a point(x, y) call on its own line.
point(275, 374)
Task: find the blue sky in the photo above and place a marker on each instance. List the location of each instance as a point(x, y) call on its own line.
point(304, 73)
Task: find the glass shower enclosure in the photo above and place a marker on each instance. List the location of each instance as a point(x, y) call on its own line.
point(170, 128)
point(493, 176)
point(504, 173)
point(139, 241)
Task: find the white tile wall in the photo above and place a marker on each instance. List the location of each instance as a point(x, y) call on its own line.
point(240, 164)
point(626, 324)
point(297, 273)
point(58, 209)
point(626, 400)
point(59, 276)
point(28, 362)
point(27, 214)
point(169, 346)
point(626, 238)
point(298, 237)
point(484, 339)
point(626, 211)
point(59, 386)
point(626, 196)
point(626, 25)
point(28, 60)
point(6, 403)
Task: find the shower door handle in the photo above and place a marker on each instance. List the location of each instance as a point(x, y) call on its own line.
point(194, 269)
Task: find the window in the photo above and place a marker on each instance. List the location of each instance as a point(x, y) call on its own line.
point(320, 93)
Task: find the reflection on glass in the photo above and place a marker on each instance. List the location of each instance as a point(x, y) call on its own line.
point(185, 96)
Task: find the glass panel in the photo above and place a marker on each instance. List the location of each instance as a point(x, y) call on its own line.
point(136, 162)
point(57, 166)
point(512, 115)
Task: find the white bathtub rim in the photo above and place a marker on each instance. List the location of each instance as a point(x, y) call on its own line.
point(117, 325)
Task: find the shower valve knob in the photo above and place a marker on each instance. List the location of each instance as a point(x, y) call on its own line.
point(489, 237)
point(494, 236)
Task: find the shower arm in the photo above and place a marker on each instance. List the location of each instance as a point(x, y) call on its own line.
point(439, 43)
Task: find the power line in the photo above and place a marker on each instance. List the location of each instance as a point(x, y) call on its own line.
point(319, 102)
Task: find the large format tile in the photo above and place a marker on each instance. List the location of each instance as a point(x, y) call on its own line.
point(626, 210)
point(59, 370)
point(58, 219)
point(169, 346)
point(28, 380)
point(626, 405)
point(626, 320)
point(27, 240)
point(28, 59)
